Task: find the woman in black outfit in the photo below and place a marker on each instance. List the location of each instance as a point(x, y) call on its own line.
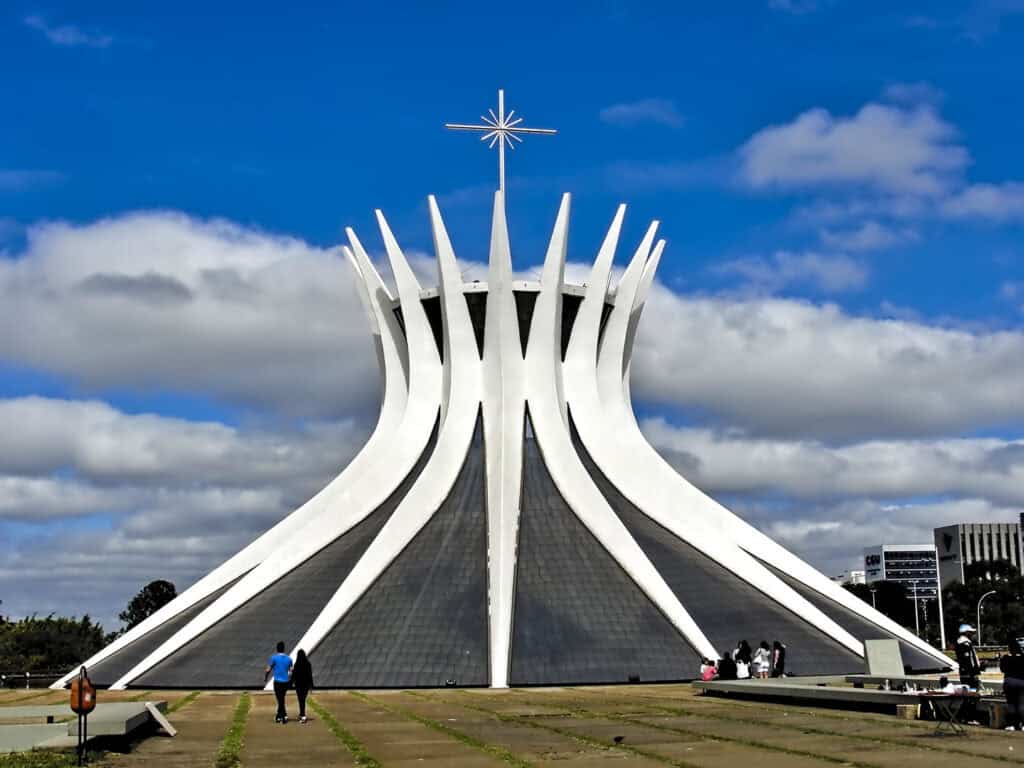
point(1012, 666)
point(302, 679)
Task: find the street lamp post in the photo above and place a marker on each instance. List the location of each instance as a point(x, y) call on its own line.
point(873, 599)
point(980, 601)
point(917, 620)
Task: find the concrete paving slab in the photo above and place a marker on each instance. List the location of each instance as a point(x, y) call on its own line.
point(201, 727)
point(392, 738)
point(270, 745)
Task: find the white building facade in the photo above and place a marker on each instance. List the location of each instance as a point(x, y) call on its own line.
point(964, 545)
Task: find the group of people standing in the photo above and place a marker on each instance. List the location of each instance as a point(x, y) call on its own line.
point(287, 674)
point(744, 662)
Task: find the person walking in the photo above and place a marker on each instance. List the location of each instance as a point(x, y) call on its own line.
point(1012, 667)
point(778, 659)
point(762, 660)
point(280, 666)
point(302, 679)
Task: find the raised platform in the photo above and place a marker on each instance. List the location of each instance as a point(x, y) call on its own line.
point(56, 726)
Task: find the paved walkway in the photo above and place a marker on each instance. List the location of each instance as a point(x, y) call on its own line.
point(628, 725)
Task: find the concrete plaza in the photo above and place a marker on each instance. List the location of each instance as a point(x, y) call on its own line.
point(627, 725)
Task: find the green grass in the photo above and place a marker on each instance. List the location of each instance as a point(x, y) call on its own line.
point(43, 759)
point(230, 753)
point(352, 744)
point(491, 749)
point(183, 702)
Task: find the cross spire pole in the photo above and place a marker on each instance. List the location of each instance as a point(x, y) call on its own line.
point(500, 129)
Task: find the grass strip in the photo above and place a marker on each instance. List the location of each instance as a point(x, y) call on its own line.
point(944, 747)
point(352, 744)
point(229, 755)
point(140, 696)
point(36, 695)
point(183, 702)
point(40, 759)
point(491, 749)
point(581, 738)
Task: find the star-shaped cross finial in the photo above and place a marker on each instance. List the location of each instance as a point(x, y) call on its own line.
point(501, 129)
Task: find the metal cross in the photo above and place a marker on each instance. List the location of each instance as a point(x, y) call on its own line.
point(501, 129)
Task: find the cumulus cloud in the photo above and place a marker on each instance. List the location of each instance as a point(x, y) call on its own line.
point(161, 301)
point(824, 372)
point(996, 202)
point(888, 147)
point(657, 111)
point(822, 272)
point(68, 35)
point(723, 461)
point(116, 500)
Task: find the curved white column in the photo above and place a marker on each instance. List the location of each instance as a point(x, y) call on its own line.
point(353, 501)
point(637, 470)
point(648, 481)
point(389, 344)
point(504, 407)
point(544, 399)
point(442, 468)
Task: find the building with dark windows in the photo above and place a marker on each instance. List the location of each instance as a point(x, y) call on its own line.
point(964, 545)
point(912, 565)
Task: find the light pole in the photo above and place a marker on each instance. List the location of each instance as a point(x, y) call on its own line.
point(980, 601)
point(873, 599)
point(917, 620)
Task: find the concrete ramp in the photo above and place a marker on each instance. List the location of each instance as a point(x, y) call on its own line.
point(56, 726)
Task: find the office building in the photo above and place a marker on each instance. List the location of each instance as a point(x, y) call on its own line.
point(964, 545)
point(912, 565)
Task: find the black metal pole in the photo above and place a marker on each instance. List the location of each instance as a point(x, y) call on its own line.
point(85, 736)
point(79, 738)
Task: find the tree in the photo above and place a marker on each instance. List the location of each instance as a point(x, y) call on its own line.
point(47, 645)
point(1003, 612)
point(150, 599)
point(891, 598)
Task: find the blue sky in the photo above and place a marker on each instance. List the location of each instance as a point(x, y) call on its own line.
point(845, 174)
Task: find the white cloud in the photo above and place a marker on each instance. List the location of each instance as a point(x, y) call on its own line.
point(795, 368)
point(890, 148)
point(160, 301)
point(868, 236)
point(996, 202)
point(826, 273)
point(107, 447)
point(68, 35)
point(722, 461)
point(657, 111)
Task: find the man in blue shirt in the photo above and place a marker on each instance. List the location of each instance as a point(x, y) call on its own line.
point(280, 665)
